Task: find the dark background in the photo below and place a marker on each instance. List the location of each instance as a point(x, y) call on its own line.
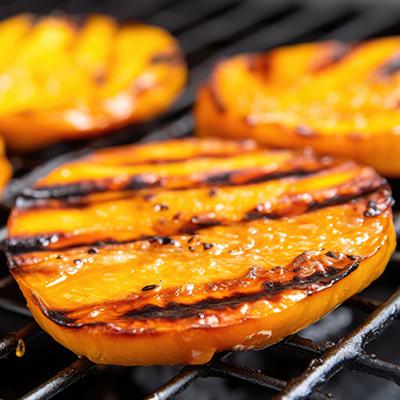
point(208, 30)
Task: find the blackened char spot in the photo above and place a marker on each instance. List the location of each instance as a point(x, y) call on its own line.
point(93, 250)
point(372, 209)
point(149, 287)
point(161, 240)
point(331, 254)
point(207, 246)
point(59, 317)
point(33, 243)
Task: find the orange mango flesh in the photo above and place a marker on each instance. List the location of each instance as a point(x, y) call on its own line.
point(122, 218)
point(140, 300)
point(5, 168)
point(337, 98)
point(59, 81)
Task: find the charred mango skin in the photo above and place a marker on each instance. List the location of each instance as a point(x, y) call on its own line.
point(62, 79)
point(166, 253)
point(338, 98)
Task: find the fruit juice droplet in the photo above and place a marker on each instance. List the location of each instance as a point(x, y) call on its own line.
point(20, 350)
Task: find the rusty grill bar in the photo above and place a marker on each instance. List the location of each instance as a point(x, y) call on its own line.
point(207, 31)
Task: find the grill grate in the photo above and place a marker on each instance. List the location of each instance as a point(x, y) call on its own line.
point(207, 31)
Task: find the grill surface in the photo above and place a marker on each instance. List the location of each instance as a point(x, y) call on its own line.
point(209, 30)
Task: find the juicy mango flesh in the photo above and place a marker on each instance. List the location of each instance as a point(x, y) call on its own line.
point(166, 253)
point(338, 98)
point(5, 168)
point(64, 79)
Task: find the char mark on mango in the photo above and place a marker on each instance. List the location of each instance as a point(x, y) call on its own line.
point(141, 182)
point(291, 205)
point(388, 69)
point(339, 52)
point(311, 271)
point(171, 58)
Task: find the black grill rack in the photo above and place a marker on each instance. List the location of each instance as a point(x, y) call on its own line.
point(209, 30)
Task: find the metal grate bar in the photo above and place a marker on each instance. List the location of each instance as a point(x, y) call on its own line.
point(217, 36)
point(227, 26)
point(187, 14)
point(10, 342)
point(221, 369)
point(6, 281)
point(346, 350)
point(249, 375)
point(369, 23)
point(179, 383)
point(27, 5)
point(363, 362)
point(143, 8)
point(363, 303)
point(77, 370)
point(12, 306)
point(184, 378)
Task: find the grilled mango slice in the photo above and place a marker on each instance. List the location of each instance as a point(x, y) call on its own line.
point(338, 98)
point(62, 79)
point(168, 252)
point(5, 168)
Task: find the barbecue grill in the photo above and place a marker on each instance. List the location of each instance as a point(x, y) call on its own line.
point(296, 368)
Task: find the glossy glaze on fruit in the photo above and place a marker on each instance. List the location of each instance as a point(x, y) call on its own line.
point(64, 78)
point(5, 168)
point(166, 253)
point(338, 98)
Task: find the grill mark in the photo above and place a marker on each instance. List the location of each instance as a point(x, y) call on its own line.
point(162, 161)
point(389, 68)
point(36, 243)
point(171, 58)
point(259, 64)
point(176, 311)
point(337, 199)
point(141, 182)
point(30, 244)
point(215, 97)
point(310, 271)
point(339, 52)
point(84, 188)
